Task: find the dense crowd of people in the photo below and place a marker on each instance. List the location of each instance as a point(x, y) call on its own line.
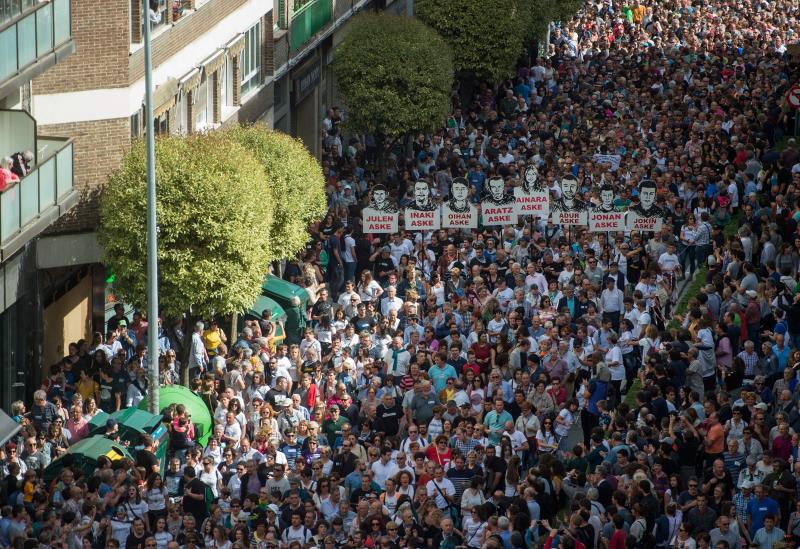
point(502, 387)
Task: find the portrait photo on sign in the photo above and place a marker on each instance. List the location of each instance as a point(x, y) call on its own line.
point(497, 195)
point(569, 201)
point(381, 200)
point(459, 196)
point(458, 211)
point(531, 181)
point(647, 207)
point(423, 201)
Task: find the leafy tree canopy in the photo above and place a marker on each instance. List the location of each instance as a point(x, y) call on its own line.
point(213, 225)
point(537, 14)
point(394, 73)
point(296, 185)
point(486, 35)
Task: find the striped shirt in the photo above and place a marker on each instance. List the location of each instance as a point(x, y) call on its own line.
point(702, 236)
point(750, 362)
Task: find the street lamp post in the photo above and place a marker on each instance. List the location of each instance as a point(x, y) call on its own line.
point(152, 236)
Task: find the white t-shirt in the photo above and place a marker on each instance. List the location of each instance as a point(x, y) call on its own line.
point(234, 431)
point(446, 487)
point(562, 429)
point(668, 262)
point(210, 480)
point(517, 439)
point(370, 292)
point(349, 244)
point(614, 354)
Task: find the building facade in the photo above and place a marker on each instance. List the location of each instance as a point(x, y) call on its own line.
point(215, 62)
point(35, 37)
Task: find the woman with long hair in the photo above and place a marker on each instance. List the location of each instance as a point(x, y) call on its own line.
point(90, 409)
point(219, 538)
point(156, 498)
point(161, 534)
point(368, 289)
point(546, 438)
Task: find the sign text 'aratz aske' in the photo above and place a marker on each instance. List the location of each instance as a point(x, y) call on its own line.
point(498, 215)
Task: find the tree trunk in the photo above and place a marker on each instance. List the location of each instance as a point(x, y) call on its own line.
point(187, 347)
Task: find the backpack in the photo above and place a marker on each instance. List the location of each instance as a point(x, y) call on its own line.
point(209, 498)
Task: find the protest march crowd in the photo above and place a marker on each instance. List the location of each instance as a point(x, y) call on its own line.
point(530, 384)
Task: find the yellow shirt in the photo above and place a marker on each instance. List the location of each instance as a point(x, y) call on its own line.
point(88, 388)
point(212, 341)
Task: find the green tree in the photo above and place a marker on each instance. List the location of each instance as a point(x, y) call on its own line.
point(486, 35)
point(213, 225)
point(539, 13)
point(296, 184)
point(394, 74)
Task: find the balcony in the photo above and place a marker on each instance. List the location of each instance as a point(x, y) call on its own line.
point(308, 19)
point(33, 36)
point(45, 194)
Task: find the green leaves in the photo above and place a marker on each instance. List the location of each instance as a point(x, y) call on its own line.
point(296, 184)
point(394, 74)
point(222, 203)
point(486, 36)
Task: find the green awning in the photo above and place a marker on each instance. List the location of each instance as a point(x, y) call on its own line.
point(283, 291)
point(264, 302)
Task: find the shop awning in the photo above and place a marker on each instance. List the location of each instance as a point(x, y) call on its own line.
point(8, 427)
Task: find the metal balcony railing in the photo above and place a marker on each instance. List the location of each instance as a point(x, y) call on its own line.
point(30, 30)
point(43, 188)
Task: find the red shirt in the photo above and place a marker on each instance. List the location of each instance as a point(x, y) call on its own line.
point(617, 540)
point(442, 458)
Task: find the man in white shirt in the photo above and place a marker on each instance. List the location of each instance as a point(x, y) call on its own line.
point(519, 443)
point(384, 468)
point(346, 297)
point(503, 294)
point(668, 261)
point(232, 432)
point(441, 488)
point(349, 255)
point(612, 303)
point(397, 359)
point(632, 315)
point(391, 302)
point(644, 319)
point(399, 247)
point(647, 288)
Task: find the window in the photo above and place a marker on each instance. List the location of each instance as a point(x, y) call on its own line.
point(200, 96)
point(161, 125)
point(279, 14)
point(226, 83)
point(181, 114)
point(136, 124)
point(251, 59)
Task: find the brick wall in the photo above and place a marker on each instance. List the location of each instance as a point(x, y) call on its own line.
point(98, 149)
point(101, 32)
point(185, 30)
point(268, 45)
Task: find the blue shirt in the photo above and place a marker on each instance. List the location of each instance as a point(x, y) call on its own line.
point(782, 356)
point(757, 509)
point(496, 424)
point(439, 376)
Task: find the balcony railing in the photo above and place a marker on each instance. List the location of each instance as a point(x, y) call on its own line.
point(48, 183)
point(33, 30)
point(308, 20)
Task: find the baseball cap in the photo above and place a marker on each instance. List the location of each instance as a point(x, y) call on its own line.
point(122, 322)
